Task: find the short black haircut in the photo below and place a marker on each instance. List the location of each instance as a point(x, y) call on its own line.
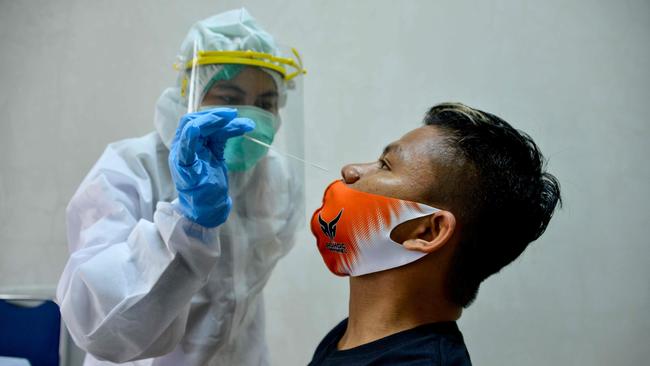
point(505, 197)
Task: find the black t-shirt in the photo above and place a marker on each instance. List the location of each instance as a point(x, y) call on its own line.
point(428, 344)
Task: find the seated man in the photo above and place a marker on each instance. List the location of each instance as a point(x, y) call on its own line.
point(444, 207)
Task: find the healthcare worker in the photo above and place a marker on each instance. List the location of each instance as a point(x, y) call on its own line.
point(173, 235)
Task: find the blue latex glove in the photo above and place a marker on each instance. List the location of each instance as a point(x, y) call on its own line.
point(197, 165)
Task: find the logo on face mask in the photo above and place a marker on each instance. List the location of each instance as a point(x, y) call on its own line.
point(329, 229)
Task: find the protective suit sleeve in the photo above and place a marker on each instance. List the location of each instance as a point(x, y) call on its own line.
point(126, 289)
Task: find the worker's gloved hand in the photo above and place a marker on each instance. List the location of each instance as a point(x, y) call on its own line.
point(197, 164)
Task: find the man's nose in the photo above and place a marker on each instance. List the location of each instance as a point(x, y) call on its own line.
point(353, 172)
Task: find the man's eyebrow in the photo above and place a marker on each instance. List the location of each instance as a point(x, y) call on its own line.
point(393, 149)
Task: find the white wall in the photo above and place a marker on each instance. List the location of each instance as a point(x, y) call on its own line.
point(76, 75)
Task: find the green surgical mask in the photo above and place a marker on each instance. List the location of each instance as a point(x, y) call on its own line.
point(241, 153)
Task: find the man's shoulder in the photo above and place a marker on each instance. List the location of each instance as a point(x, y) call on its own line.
point(331, 338)
point(429, 344)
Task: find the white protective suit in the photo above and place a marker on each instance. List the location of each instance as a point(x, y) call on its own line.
point(144, 283)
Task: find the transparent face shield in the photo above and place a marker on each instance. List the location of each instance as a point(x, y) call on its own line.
point(266, 166)
point(264, 87)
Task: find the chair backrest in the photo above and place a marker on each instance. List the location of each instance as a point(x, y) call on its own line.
point(30, 332)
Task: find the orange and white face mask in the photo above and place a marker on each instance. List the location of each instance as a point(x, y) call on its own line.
point(353, 228)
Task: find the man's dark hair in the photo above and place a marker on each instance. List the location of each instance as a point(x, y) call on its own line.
point(505, 199)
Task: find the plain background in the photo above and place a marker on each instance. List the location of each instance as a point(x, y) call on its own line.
point(76, 75)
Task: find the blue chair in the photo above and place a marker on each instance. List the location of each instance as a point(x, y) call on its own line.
point(30, 332)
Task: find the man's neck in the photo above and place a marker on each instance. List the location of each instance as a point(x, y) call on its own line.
point(385, 303)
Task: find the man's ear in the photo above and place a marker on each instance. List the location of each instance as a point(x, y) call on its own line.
point(433, 233)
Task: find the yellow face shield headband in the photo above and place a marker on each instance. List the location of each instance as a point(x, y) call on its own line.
point(287, 67)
